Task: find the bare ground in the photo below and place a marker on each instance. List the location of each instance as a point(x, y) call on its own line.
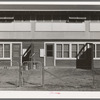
point(60, 79)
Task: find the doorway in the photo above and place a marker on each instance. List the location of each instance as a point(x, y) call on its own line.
point(49, 54)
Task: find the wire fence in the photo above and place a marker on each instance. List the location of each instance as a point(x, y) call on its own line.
point(96, 78)
point(9, 75)
point(32, 73)
point(68, 78)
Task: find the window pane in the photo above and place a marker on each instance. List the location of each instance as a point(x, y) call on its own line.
point(26, 18)
point(74, 54)
point(80, 46)
point(74, 50)
point(66, 54)
point(66, 50)
point(98, 50)
point(47, 18)
point(59, 50)
point(18, 18)
point(1, 50)
point(39, 17)
point(59, 47)
point(56, 18)
point(49, 50)
point(6, 50)
point(66, 47)
point(49, 47)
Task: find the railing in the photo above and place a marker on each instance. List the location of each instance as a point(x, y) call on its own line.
point(82, 50)
point(84, 59)
point(26, 55)
point(27, 51)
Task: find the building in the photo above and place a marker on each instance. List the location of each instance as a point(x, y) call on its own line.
point(55, 33)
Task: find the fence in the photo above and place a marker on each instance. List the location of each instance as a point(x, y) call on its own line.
point(9, 75)
point(68, 79)
point(32, 73)
point(96, 78)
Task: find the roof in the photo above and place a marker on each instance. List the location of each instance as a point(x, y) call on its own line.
point(49, 6)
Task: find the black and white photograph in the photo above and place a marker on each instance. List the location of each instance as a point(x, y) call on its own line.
point(49, 46)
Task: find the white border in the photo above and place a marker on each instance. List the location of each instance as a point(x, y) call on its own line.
point(50, 94)
point(49, 3)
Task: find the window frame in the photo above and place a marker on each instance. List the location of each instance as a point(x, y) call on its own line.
point(62, 49)
point(70, 50)
point(96, 51)
point(3, 57)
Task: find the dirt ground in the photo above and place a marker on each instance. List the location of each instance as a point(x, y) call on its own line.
point(55, 79)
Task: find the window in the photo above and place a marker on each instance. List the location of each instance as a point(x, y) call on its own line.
point(70, 50)
point(39, 18)
point(62, 50)
point(49, 50)
point(26, 18)
point(47, 18)
point(74, 50)
point(98, 50)
point(59, 50)
point(56, 18)
point(80, 46)
point(66, 50)
point(18, 18)
point(6, 50)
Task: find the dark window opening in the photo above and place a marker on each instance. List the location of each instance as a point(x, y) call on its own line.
point(26, 17)
point(49, 50)
point(39, 17)
point(47, 17)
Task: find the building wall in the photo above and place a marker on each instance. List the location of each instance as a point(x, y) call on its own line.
point(31, 31)
point(66, 63)
point(96, 63)
point(36, 49)
point(80, 34)
point(70, 62)
point(37, 46)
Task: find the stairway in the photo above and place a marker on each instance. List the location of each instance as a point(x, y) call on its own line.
point(84, 58)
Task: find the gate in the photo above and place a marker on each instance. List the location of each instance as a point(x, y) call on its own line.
point(32, 73)
point(9, 75)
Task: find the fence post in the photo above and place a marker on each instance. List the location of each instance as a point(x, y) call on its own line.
point(20, 76)
point(42, 74)
point(92, 64)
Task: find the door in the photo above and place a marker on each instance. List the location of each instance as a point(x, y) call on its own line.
point(16, 54)
point(49, 54)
